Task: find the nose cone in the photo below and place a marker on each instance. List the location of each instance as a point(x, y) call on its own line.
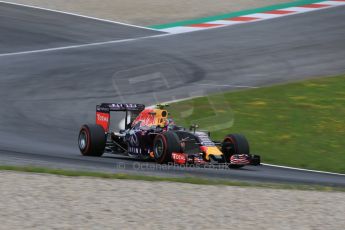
point(211, 150)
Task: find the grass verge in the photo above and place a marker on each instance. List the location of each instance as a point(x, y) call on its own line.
point(190, 180)
point(298, 124)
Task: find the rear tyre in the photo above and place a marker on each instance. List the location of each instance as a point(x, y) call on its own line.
point(164, 145)
point(234, 144)
point(91, 140)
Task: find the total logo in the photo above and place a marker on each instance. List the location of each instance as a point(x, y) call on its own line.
point(179, 158)
point(102, 118)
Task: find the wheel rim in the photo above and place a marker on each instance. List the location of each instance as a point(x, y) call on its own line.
point(82, 140)
point(159, 148)
point(230, 146)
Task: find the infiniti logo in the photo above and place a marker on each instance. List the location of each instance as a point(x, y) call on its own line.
point(133, 140)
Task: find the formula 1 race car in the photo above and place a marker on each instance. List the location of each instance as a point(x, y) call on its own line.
point(149, 133)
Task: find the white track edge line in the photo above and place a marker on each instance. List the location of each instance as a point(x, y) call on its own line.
point(233, 86)
point(300, 169)
point(80, 46)
point(79, 15)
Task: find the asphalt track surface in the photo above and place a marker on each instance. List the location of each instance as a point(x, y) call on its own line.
point(47, 95)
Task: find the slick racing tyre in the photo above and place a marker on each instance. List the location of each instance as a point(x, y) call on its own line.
point(234, 144)
point(164, 145)
point(92, 140)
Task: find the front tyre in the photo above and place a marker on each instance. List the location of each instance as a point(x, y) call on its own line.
point(164, 145)
point(91, 140)
point(234, 144)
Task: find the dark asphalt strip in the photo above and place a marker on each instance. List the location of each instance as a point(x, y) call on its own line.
point(121, 164)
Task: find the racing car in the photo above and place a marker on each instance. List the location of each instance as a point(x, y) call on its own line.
point(149, 133)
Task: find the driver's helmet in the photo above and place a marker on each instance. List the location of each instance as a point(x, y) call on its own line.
point(169, 123)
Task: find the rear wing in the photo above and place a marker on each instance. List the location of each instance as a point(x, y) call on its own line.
point(103, 112)
point(120, 107)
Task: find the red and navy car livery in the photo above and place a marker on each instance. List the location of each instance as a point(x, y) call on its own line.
point(149, 133)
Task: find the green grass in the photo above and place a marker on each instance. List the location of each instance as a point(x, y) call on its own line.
point(298, 124)
point(190, 180)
